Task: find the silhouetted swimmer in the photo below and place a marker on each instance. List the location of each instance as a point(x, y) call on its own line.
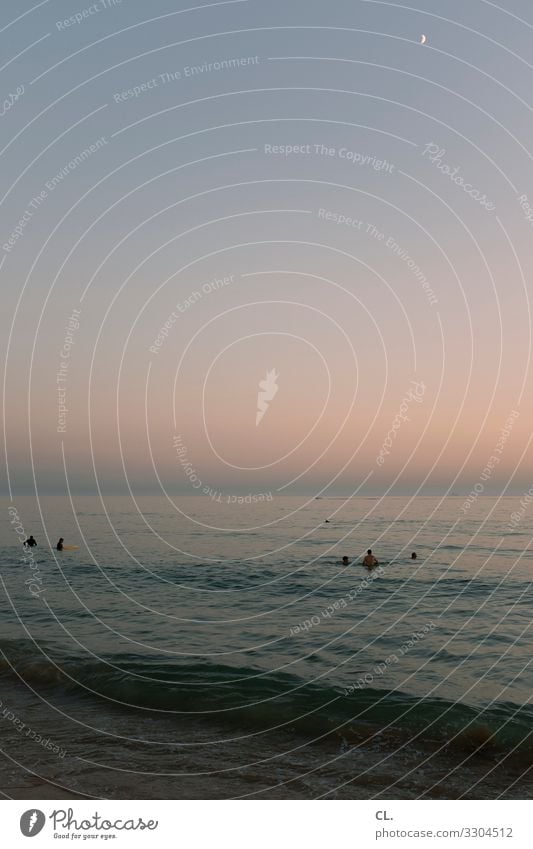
point(413, 555)
point(59, 545)
point(345, 561)
point(327, 521)
point(31, 541)
point(370, 561)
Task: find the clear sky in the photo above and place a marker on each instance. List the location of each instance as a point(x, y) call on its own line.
point(196, 196)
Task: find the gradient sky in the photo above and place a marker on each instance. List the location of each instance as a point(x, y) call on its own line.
point(182, 192)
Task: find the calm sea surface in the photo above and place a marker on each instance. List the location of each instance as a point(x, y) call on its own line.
point(213, 650)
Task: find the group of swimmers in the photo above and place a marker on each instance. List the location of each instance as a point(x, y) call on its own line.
point(369, 560)
point(31, 541)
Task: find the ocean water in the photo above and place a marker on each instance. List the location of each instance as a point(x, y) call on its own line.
point(200, 649)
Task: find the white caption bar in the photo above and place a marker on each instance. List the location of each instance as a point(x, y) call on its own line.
point(267, 824)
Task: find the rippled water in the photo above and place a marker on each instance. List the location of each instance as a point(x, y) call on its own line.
point(204, 649)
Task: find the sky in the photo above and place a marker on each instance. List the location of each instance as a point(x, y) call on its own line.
point(199, 199)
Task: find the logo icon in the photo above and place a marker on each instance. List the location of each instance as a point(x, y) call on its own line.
point(268, 388)
point(32, 822)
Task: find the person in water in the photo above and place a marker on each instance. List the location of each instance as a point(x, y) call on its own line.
point(413, 555)
point(59, 545)
point(345, 561)
point(30, 541)
point(370, 560)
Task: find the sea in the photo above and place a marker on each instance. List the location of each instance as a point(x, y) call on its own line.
point(202, 648)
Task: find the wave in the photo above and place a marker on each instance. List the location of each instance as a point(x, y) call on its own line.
point(252, 699)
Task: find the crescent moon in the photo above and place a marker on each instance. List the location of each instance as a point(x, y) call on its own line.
point(423, 39)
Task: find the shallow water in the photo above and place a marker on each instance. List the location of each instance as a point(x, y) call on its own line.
point(218, 650)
